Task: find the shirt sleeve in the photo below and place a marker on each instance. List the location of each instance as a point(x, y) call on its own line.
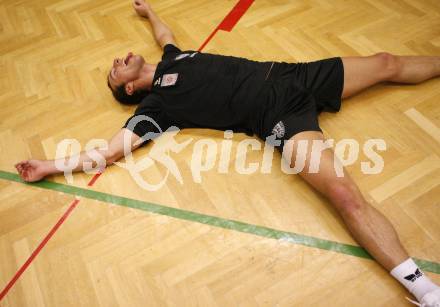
point(148, 121)
point(170, 51)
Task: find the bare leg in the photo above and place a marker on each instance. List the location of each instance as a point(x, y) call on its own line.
point(416, 69)
point(369, 227)
point(363, 72)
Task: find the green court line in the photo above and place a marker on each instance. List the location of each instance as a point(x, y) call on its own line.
point(257, 230)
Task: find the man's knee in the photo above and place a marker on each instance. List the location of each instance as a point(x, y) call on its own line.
point(390, 65)
point(347, 199)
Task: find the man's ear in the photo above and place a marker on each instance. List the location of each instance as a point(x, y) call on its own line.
point(129, 88)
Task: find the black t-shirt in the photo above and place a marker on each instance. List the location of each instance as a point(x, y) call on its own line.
point(199, 90)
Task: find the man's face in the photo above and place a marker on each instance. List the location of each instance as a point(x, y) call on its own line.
point(125, 70)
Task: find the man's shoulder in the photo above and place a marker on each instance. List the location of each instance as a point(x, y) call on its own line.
point(151, 102)
point(171, 46)
point(170, 50)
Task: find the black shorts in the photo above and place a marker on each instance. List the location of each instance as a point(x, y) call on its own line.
point(299, 92)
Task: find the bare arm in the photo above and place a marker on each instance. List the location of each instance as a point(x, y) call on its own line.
point(162, 33)
point(34, 170)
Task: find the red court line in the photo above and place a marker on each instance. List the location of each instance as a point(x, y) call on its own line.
point(44, 242)
point(91, 182)
point(227, 24)
point(230, 20)
point(208, 39)
point(38, 249)
point(235, 14)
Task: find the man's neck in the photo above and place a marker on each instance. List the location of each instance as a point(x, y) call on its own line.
point(147, 75)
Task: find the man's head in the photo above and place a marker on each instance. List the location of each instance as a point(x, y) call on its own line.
point(126, 79)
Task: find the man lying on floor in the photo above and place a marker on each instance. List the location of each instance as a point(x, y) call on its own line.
point(282, 100)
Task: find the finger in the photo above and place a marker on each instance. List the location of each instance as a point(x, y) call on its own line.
point(22, 167)
point(27, 175)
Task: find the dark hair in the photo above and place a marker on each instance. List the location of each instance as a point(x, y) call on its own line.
point(121, 95)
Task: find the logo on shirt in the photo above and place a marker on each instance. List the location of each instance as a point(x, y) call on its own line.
point(169, 79)
point(184, 55)
point(279, 130)
point(157, 81)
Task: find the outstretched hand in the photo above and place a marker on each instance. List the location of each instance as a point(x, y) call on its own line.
point(141, 7)
point(31, 170)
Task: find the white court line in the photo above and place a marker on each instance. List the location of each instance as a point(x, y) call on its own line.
point(424, 123)
point(405, 178)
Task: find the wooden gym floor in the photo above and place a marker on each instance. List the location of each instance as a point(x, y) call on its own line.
point(110, 251)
